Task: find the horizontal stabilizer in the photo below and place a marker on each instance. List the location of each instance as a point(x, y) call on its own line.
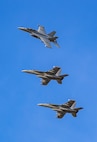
point(55, 42)
point(77, 109)
point(60, 114)
point(74, 114)
point(64, 75)
point(59, 81)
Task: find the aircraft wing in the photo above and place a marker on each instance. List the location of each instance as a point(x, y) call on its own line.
point(54, 71)
point(69, 103)
point(41, 30)
point(56, 43)
point(45, 81)
point(46, 42)
point(60, 115)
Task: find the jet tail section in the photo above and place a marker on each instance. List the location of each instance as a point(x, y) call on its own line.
point(59, 81)
point(74, 114)
point(61, 78)
point(52, 33)
point(76, 111)
point(73, 105)
point(58, 72)
point(55, 42)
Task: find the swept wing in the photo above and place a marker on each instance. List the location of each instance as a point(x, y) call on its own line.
point(69, 104)
point(54, 71)
point(41, 30)
point(45, 81)
point(56, 43)
point(46, 42)
point(60, 115)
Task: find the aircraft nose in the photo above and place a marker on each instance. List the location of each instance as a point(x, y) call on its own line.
point(23, 29)
point(28, 71)
point(45, 105)
point(24, 70)
point(40, 104)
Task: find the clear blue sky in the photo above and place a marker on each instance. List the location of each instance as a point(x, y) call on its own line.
point(21, 120)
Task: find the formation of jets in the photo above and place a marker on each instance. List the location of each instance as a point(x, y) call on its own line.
point(42, 35)
point(53, 74)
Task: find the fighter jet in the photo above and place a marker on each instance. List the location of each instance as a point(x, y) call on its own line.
point(53, 74)
point(68, 107)
point(42, 35)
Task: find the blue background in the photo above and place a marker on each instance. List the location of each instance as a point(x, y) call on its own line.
point(76, 25)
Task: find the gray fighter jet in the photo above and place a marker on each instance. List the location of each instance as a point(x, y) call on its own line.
point(68, 107)
point(42, 35)
point(53, 74)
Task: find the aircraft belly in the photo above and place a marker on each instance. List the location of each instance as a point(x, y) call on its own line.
point(52, 77)
point(39, 35)
point(42, 76)
point(35, 35)
point(52, 39)
point(67, 110)
point(70, 111)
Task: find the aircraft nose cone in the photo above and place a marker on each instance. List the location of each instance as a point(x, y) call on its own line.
point(28, 71)
point(45, 105)
point(23, 29)
point(24, 70)
point(39, 104)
